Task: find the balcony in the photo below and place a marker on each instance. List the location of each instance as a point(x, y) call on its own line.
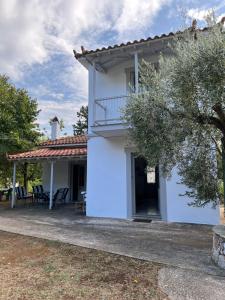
point(108, 113)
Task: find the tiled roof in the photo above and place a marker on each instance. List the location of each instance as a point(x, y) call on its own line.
point(68, 140)
point(49, 153)
point(84, 52)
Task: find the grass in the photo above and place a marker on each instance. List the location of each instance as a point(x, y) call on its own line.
point(32, 268)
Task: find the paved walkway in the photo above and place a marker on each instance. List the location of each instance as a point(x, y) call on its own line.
point(184, 249)
point(185, 246)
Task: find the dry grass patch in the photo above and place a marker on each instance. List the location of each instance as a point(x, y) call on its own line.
point(32, 268)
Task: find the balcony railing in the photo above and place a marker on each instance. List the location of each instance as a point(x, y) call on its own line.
point(108, 111)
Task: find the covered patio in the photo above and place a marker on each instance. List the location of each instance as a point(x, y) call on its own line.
point(63, 163)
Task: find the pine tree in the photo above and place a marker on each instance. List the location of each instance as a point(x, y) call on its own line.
point(81, 125)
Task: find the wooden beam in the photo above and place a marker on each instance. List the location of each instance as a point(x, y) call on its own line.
point(100, 68)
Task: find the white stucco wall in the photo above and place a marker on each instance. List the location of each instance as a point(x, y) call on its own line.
point(61, 176)
point(178, 209)
point(106, 178)
point(112, 83)
point(109, 191)
point(109, 187)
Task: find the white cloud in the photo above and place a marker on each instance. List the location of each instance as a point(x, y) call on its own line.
point(198, 14)
point(21, 36)
point(136, 15)
point(76, 77)
point(65, 110)
point(33, 31)
point(41, 90)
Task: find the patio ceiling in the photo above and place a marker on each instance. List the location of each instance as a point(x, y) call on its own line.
point(104, 60)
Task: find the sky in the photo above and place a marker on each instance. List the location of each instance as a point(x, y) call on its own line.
point(37, 38)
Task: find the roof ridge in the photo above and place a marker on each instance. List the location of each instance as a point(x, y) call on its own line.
point(74, 139)
point(84, 52)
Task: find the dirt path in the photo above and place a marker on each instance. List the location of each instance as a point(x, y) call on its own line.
point(33, 269)
point(180, 252)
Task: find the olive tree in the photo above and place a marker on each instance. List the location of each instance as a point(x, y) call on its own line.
point(179, 119)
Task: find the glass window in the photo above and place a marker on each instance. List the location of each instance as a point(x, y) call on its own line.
point(130, 75)
point(130, 81)
point(150, 175)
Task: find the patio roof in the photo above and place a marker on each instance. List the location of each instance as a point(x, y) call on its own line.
point(66, 148)
point(47, 153)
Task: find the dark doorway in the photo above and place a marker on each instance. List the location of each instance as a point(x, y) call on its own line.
point(146, 188)
point(78, 181)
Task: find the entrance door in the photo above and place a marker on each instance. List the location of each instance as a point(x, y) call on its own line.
point(78, 181)
point(146, 188)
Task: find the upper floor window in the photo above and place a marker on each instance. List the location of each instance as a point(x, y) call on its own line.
point(130, 78)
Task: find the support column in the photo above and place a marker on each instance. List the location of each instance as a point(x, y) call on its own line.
point(13, 199)
point(51, 185)
point(91, 96)
point(93, 91)
point(136, 72)
point(25, 175)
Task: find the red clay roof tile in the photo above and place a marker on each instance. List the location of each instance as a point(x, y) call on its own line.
point(49, 153)
point(68, 140)
point(85, 52)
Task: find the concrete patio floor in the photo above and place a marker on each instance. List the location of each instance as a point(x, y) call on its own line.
point(184, 249)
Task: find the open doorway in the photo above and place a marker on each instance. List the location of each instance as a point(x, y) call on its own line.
point(146, 188)
point(78, 181)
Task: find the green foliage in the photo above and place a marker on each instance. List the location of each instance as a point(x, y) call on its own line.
point(18, 128)
point(81, 125)
point(34, 175)
point(180, 118)
point(17, 118)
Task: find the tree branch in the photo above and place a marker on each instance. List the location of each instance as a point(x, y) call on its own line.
point(217, 146)
point(219, 123)
point(219, 111)
point(202, 119)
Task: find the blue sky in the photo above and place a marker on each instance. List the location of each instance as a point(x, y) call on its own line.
point(37, 38)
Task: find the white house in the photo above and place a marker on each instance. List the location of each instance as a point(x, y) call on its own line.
point(119, 184)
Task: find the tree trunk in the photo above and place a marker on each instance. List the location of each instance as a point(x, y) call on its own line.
point(223, 166)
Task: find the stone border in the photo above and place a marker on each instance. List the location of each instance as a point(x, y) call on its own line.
point(218, 251)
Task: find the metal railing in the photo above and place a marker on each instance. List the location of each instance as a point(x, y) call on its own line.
point(108, 111)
